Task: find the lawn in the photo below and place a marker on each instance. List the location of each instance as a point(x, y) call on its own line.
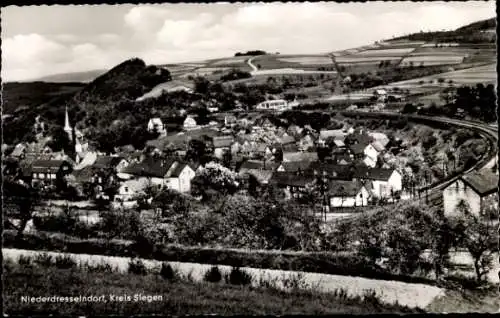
point(179, 297)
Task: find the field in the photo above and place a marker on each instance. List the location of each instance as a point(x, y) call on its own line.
point(471, 76)
point(299, 62)
point(406, 294)
point(429, 60)
point(178, 295)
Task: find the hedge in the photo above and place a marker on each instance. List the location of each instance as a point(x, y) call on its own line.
point(320, 262)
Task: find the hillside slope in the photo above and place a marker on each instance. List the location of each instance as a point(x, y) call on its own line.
point(81, 77)
point(471, 33)
point(92, 107)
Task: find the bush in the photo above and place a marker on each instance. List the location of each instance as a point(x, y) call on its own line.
point(137, 267)
point(238, 276)
point(25, 261)
point(99, 268)
point(213, 275)
point(64, 262)
point(167, 272)
point(44, 260)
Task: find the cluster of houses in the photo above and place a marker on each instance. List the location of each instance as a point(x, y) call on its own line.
point(352, 173)
point(286, 157)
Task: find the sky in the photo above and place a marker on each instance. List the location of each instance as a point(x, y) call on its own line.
point(44, 40)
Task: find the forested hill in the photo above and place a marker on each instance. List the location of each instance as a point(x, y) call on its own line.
point(92, 107)
point(472, 33)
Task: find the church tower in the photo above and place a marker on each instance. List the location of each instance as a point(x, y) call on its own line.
point(67, 127)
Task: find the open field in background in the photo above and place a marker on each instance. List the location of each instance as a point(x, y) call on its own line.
point(386, 52)
point(301, 62)
point(429, 60)
point(485, 74)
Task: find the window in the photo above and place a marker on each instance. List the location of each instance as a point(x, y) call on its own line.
point(41, 175)
point(126, 189)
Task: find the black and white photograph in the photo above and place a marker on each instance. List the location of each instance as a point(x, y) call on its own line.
point(250, 158)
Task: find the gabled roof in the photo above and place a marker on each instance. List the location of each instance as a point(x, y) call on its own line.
point(484, 182)
point(339, 188)
point(380, 137)
point(339, 143)
point(381, 174)
point(291, 179)
point(358, 149)
point(334, 133)
point(222, 141)
point(106, 162)
point(332, 171)
point(295, 166)
point(150, 167)
point(18, 150)
point(378, 146)
point(263, 176)
point(176, 169)
point(300, 156)
point(46, 165)
point(287, 140)
point(156, 121)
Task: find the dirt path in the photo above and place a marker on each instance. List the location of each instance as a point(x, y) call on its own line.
point(411, 295)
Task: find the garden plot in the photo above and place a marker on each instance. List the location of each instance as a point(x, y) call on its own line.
point(386, 52)
point(308, 60)
point(428, 60)
point(407, 294)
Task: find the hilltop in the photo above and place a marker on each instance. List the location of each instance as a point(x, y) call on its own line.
point(477, 32)
point(93, 106)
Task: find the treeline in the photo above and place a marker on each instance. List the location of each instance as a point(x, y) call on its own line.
point(251, 53)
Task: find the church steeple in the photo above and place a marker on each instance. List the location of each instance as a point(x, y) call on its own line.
point(67, 127)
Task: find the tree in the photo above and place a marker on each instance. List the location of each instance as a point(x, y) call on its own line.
point(197, 151)
point(25, 198)
point(214, 176)
point(478, 236)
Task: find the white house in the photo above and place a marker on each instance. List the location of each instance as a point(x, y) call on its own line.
point(476, 189)
point(278, 105)
point(347, 194)
point(189, 123)
point(156, 125)
point(164, 173)
point(382, 182)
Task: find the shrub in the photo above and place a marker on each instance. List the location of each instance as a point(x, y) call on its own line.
point(44, 260)
point(99, 268)
point(25, 261)
point(167, 272)
point(370, 297)
point(238, 276)
point(294, 281)
point(137, 267)
point(213, 275)
point(8, 265)
point(64, 262)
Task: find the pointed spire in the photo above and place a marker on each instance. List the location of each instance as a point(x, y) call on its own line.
point(67, 127)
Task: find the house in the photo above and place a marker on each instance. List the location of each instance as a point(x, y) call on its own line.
point(156, 125)
point(276, 105)
point(130, 189)
point(262, 176)
point(46, 172)
point(380, 94)
point(378, 146)
point(365, 152)
point(263, 122)
point(222, 144)
point(331, 171)
point(257, 165)
point(19, 151)
point(164, 173)
point(230, 120)
point(294, 130)
point(347, 194)
point(286, 140)
point(383, 182)
point(475, 188)
point(379, 137)
point(306, 143)
point(333, 133)
point(300, 156)
point(294, 166)
point(189, 123)
point(295, 186)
